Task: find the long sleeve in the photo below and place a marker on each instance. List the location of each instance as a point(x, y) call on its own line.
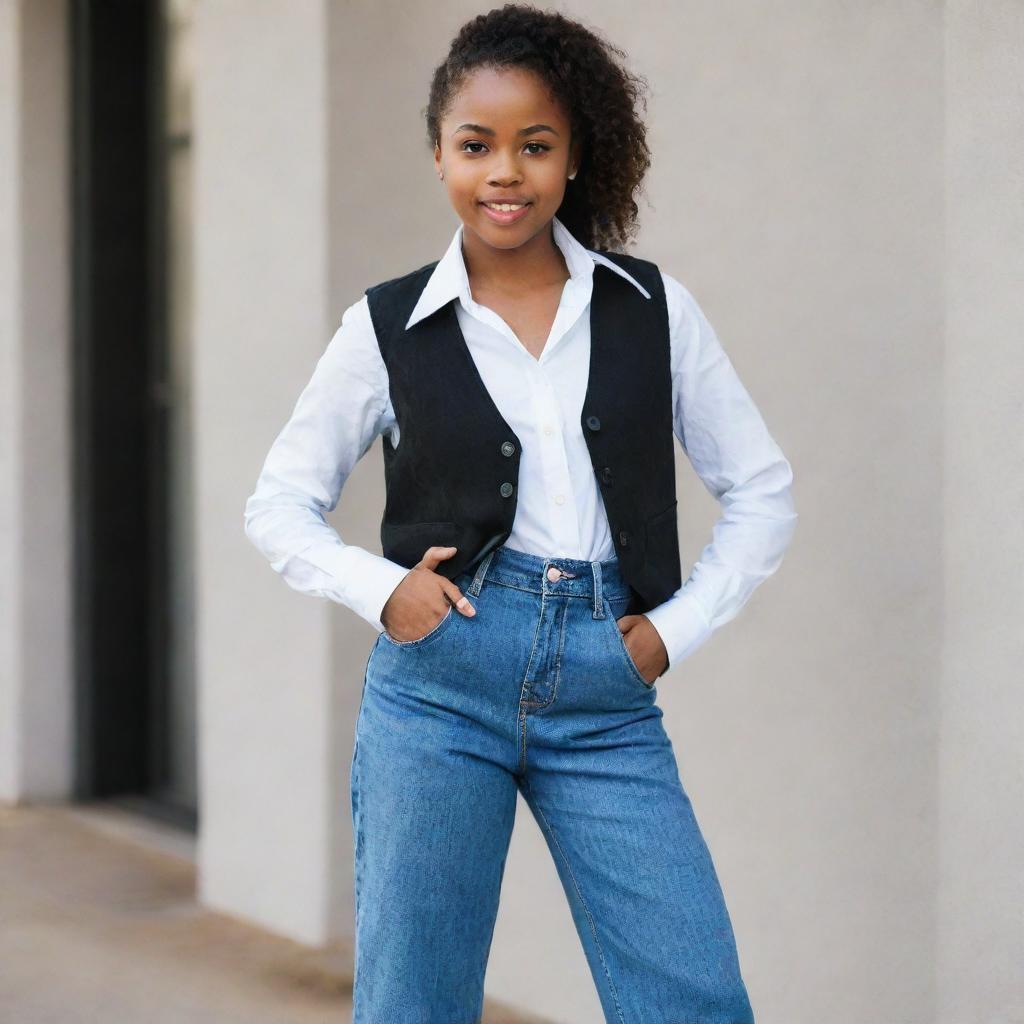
point(339, 413)
point(731, 450)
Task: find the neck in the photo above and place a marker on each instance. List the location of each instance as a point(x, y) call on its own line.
point(537, 263)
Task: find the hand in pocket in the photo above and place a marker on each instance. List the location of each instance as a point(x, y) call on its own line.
point(644, 645)
point(419, 603)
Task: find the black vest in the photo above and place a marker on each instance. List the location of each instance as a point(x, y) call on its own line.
point(452, 479)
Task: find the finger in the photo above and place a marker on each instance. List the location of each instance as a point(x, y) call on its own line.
point(457, 598)
point(434, 555)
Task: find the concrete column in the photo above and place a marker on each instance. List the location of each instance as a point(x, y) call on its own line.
point(36, 693)
point(267, 794)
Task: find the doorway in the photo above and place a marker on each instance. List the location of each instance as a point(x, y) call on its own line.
point(134, 651)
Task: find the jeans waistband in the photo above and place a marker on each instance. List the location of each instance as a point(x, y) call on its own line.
point(566, 577)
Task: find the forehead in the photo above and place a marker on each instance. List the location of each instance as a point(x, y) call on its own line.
point(504, 98)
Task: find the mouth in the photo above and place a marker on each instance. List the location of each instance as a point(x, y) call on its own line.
point(506, 213)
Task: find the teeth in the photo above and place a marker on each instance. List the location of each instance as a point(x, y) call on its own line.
point(506, 207)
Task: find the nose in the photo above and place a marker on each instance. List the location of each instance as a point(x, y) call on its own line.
point(505, 173)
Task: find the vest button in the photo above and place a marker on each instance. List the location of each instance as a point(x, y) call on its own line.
point(508, 448)
point(623, 538)
point(506, 489)
point(606, 474)
point(593, 422)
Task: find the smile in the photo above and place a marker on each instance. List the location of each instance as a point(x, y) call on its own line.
point(506, 213)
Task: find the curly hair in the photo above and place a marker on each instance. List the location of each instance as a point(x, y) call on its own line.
point(587, 74)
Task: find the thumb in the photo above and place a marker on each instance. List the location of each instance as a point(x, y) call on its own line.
point(434, 555)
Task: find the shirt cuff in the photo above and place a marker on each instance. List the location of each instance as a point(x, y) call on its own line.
point(681, 624)
point(366, 580)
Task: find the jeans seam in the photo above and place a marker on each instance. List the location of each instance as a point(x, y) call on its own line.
point(498, 582)
point(558, 653)
point(521, 712)
point(583, 902)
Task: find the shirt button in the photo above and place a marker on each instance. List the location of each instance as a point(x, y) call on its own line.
point(624, 538)
point(593, 422)
point(560, 499)
point(548, 429)
point(606, 474)
point(508, 448)
point(506, 489)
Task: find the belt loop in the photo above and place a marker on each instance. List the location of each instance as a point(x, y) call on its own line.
point(598, 591)
point(478, 579)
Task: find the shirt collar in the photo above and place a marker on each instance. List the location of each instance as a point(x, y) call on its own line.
point(449, 279)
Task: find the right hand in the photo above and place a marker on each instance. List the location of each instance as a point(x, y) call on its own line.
point(422, 599)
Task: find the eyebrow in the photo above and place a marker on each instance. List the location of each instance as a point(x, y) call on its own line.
point(481, 130)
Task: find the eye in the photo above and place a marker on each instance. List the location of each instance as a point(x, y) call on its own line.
point(540, 145)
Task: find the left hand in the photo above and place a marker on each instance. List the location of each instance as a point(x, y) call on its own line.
point(644, 644)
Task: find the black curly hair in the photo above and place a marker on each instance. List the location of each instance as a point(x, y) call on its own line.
point(586, 73)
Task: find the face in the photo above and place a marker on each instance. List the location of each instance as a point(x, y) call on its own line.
point(506, 139)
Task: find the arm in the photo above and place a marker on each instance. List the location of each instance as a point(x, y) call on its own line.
point(728, 444)
point(339, 413)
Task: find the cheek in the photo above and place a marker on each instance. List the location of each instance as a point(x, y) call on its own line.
point(552, 175)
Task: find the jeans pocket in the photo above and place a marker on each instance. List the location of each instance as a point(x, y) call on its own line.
point(620, 642)
point(433, 634)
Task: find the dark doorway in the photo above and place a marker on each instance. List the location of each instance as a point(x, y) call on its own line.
point(135, 698)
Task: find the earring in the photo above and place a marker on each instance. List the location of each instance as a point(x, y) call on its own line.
point(573, 175)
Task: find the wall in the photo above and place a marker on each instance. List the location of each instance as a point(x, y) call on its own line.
point(838, 184)
point(267, 799)
point(803, 206)
point(980, 838)
point(36, 684)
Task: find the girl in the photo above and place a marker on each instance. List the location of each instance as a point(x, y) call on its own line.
point(528, 385)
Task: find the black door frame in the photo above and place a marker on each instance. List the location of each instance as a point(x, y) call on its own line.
point(120, 407)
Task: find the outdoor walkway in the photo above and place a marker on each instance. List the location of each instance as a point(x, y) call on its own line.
point(98, 926)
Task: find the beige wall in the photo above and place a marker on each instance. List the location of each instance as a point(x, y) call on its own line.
point(800, 189)
point(36, 685)
point(980, 892)
point(839, 185)
point(803, 206)
point(266, 684)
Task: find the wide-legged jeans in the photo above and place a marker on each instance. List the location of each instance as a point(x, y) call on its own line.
point(535, 694)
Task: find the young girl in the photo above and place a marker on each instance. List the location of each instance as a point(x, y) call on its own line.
point(528, 386)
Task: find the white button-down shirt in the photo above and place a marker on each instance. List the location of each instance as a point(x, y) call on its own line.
point(559, 509)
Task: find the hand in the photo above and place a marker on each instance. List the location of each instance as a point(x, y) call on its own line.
point(644, 644)
point(421, 600)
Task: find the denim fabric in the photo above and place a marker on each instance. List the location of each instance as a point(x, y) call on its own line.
point(535, 694)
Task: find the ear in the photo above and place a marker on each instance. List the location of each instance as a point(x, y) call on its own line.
point(437, 156)
point(575, 156)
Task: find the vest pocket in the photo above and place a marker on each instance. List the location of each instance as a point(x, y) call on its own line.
point(661, 551)
point(659, 519)
point(406, 543)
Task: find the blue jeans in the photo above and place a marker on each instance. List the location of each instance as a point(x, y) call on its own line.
point(535, 694)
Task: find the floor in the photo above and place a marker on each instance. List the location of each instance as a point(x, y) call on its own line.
point(99, 923)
